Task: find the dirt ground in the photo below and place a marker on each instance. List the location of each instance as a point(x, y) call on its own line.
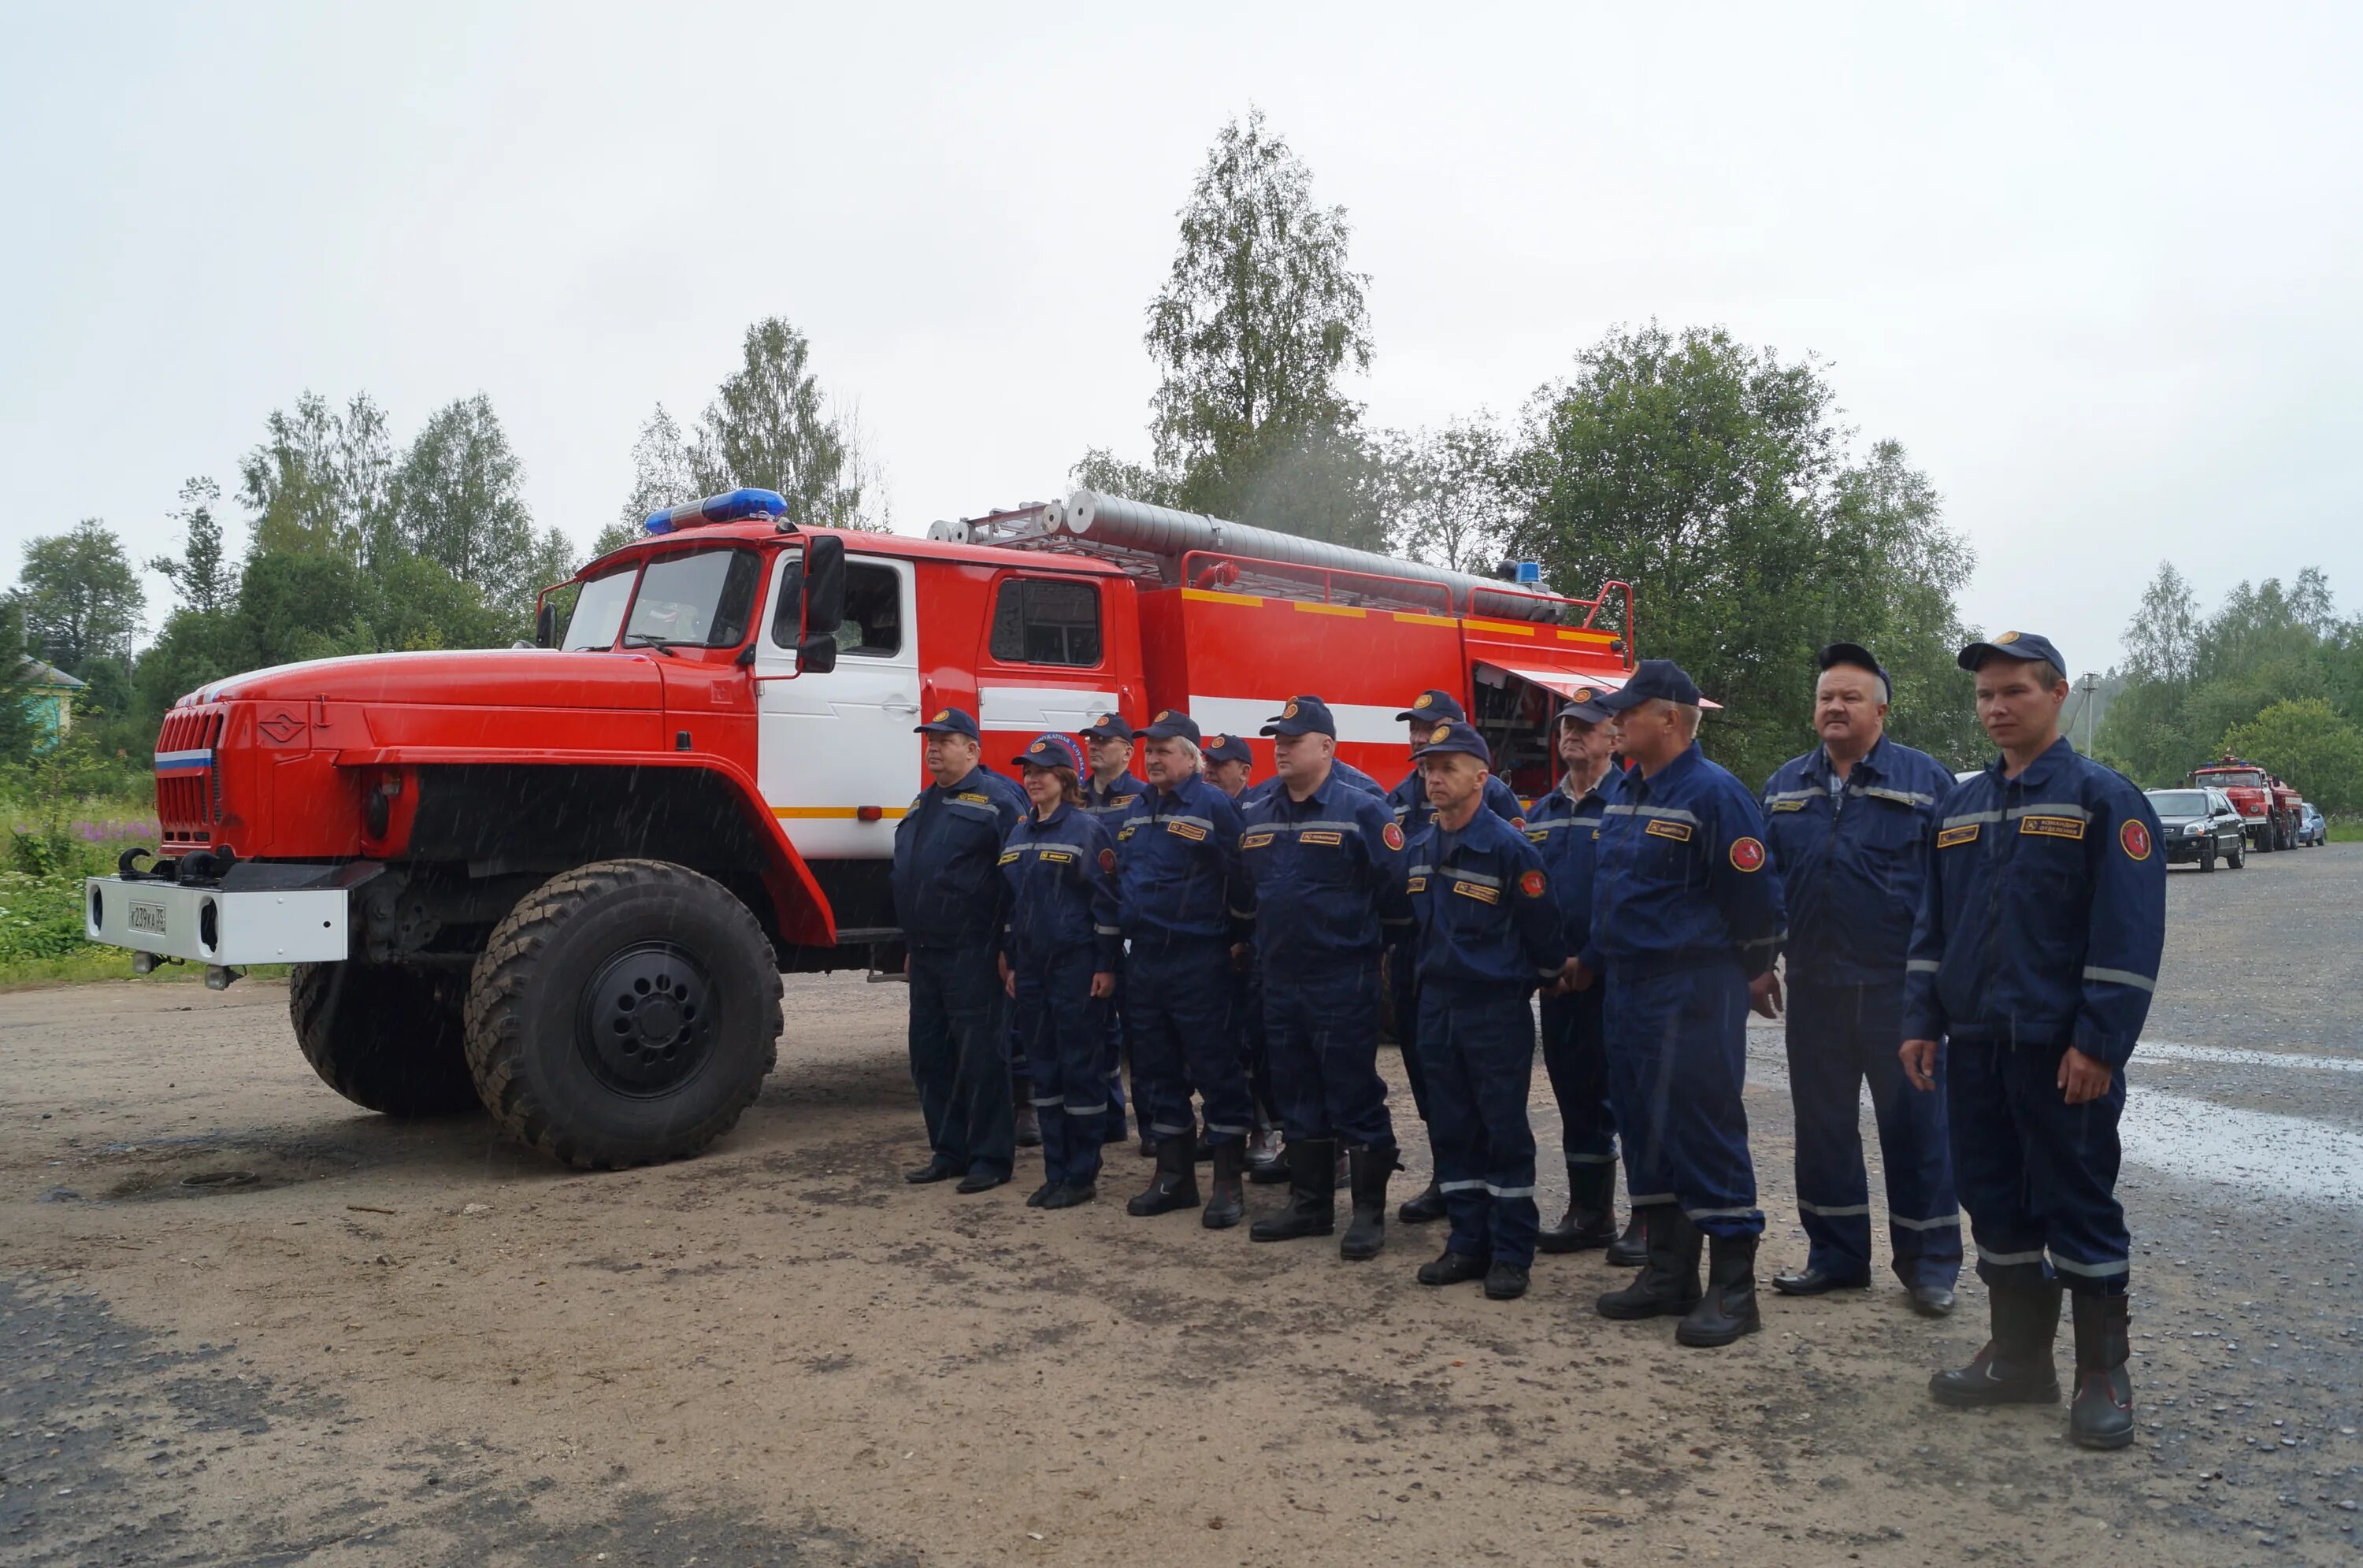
point(242, 1321)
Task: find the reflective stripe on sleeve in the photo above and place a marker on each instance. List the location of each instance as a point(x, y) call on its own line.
point(2120, 978)
point(1109, 930)
point(1922, 967)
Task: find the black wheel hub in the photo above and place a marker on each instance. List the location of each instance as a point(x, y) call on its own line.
point(647, 1019)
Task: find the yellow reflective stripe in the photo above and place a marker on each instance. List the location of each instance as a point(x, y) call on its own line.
point(1410, 619)
point(1603, 638)
point(1510, 628)
point(1312, 609)
point(1208, 596)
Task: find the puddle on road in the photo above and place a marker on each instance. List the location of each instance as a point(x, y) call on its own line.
point(2231, 1057)
point(2254, 1150)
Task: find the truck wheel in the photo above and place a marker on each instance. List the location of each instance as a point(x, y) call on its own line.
point(2264, 840)
point(624, 1013)
point(387, 1038)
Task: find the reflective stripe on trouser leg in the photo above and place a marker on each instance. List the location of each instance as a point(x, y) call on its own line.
point(1690, 1030)
point(1322, 1028)
point(1064, 1034)
point(1989, 1164)
point(1179, 1028)
point(1479, 1045)
point(1575, 1056)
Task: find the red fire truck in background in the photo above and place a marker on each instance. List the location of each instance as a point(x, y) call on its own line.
point(565, 879)
point(2270, 806)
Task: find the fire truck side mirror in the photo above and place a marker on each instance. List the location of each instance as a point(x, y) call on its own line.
point(545, 624)
point(823, 586)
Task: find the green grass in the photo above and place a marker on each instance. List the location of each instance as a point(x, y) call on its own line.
point(2346, 830)
point(87, 965)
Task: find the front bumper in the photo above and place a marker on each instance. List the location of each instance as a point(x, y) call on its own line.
point(217, 927)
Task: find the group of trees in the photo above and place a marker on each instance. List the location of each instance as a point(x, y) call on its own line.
point(2275, 674)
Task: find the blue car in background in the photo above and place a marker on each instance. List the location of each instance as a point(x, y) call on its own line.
point(2310, 828)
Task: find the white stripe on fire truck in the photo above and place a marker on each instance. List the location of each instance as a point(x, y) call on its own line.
point(183, 761)
point(1358, 722)
point(1039, 708)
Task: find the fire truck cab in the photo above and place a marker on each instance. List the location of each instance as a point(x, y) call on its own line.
point(564, 880)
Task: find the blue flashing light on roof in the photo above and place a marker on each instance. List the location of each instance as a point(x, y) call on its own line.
point(728, 508)
point(1530, 571)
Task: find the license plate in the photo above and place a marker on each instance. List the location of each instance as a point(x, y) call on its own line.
point(148, 918)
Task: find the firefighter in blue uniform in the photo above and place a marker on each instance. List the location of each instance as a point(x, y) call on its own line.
point(950, 899)
point(1686, 924)
point(1324, 862)
point(1488, 936)
point(1849, 825)
point(1112, 791)
point(1413, 812)
point(1178, 875)
point(1058, 946)
point(1564, 826)
point(1230, 768)
point(2031, 972)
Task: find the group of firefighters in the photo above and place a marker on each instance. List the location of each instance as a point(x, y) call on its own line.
point(1981, 954)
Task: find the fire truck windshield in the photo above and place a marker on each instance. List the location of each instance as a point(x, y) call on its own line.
point(692, 599)
point(2235, 778)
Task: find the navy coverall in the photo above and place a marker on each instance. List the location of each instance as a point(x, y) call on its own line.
point(1178, 874)
point(1488, 933)
point(1325, 889)
point(1062, 930)
point(1565, 830)
point(1110, 805)
point(950, 899)
point(1685, 911)
point(1413, 813)
point(2040, 930)
point(1852, 864)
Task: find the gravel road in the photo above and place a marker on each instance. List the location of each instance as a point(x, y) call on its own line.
point(241, 1321)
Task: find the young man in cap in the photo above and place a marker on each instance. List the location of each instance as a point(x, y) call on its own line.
point(1488, 935)
point(1178, 876)
point(1686, 924)
point(1413, 811)
point(1849, 825)
point(1230, 768)
point(1111, 793)
point(2031, 967)
point(950, 897)
point(1564, 826)
point(1323, 862)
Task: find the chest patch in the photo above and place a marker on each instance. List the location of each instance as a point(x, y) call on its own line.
point(1417, 885)
point(974, 799)
point(1966, 833)
point(1255, 840)
point(1787, 805)
point(2052, 827)
point(1191, 831)
point(1478, 891)
point(1320, 835)
point(1010, 856)
point(1063, 856)
point(1662, 827)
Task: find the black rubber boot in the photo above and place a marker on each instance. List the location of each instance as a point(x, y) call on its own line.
point(1267, 1158)
point(1312, 1197)
point(2102, 1414)
point(1590, 1219)
point(1372, 1164)
point(1449, 1267)
point(1425, 1209)
point(1504, 1282)
point(1668, 1283)
point(1029, 1127)
point(2015, 1367)
point(1631, 1250)
point(1228, 1204)
point(1728, 1308)
point(1174, 1184)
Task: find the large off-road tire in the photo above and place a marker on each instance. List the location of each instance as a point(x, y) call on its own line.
point(387, 1038)
point(625, 1011)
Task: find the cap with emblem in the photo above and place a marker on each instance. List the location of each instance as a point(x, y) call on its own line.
point(1586, 707)
point(1434, 705)
point(1302, 716)
point(1169, 723)
point(1858, 657)
point(1225, 749)
point(1653, 678)
point(1109, 726)
point(1451, 737)
point(1053, 750)
point(2027, 645)
point(949, 722)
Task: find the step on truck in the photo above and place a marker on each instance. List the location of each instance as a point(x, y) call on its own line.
point(563, 881)
point(2269, 807)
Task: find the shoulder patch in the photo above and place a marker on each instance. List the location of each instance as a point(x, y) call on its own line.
point(1392, 835)
point(1748, 853)
point(2134, 836)
point(1966, 833)
point(1108, 859)
point(1665, 827)
point(1533, 884)
point(2057, 827)
point(1518, 822)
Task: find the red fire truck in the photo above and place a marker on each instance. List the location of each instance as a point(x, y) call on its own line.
point(2269, 806)
point(565, 879)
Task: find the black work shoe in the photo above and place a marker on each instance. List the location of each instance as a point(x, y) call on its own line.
point(1631, 1250)
point(1668, 1283)
point(1371, 1164)
point(1450, 1268)
point(1175, 1182)
point(1041, 1196)
point(1811, 1281)
point(1148, 1143)
point(1265, 1164)
point(1929, 1300)
point(1728, 1311)
point(1029, 1128)
point(1068, 1194)
point(2015, 1367)
point(1311, 1198)
point(1425, 1209)
point(1591, 1217)
point(981, 1181)
point(2102, 1413)
point(1228, 1204)
point(1504, 1282)
point(936, 1169)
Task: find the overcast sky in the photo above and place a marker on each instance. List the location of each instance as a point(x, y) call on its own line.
point(2099, 275)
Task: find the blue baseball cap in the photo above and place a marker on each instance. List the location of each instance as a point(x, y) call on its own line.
point(1225, 749)
point(1451, 736)
point(1434, 704)
point(2027, 645)
point(1168, 723)
point(1052, 750)
point(1108, 726)
point(1588, 709)
point(1653, 678)
point(950, 722)
point(1302, 716)
point(1860, 656)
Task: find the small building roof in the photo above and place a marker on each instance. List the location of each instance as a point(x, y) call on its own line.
point(31, 672)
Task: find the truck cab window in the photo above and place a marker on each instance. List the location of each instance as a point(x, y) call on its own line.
point(694, 599)
point(1045, 621)
point(872, 627)
point(599, 611)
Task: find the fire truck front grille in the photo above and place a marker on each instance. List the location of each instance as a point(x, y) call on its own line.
point(188, 784)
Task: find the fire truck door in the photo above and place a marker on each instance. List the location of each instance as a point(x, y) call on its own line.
point(836, 758)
